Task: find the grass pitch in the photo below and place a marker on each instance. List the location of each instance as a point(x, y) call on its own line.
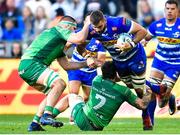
point(17, 124)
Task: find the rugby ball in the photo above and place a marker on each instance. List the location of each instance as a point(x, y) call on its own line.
point(124, 38)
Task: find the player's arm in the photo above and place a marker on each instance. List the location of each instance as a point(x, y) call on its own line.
point(138, 31)
point(145, 41)
point(143, 103)
point(132, 99)
point(68, 65)
point(101, 57)
point(80, 37)
point(150, 34)
point(101, 54)
point(134, 28)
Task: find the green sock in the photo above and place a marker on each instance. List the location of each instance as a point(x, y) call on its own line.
point(36, 118)
point(56, 112)
point(49, 109)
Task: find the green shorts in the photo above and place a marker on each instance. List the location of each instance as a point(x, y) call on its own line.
point(81, 119)
point(30, 70)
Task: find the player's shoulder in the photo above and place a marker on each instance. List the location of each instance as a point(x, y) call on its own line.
point(158, 23)
point(120, 88)
point(178, 19)
point(112, 19)
point(98, 78)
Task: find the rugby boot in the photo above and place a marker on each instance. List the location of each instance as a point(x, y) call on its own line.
point(147, 125)
point(49, 120)
point(35, 127)
point(172, 104)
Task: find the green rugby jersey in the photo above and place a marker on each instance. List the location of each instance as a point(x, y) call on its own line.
point(105, 99)
point(48, 46)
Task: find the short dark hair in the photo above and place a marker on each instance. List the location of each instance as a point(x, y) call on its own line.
point(59, 12)
point(172, 2)
point(96, 17)
point(68, 18)
point(108, 70)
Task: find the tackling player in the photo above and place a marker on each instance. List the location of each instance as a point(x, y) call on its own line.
point(33, 67)
point(105, 99)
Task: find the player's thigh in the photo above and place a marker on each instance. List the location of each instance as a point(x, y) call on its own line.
point(74, 86)
point(157, 69)
point(39, 75)
point(30, 71)
point(49, 78)
point(80, 117)
point(155, 73)
point(172, 74)
point(170, 78)
point(74, 99)
point(86, 92)
point(87, 78)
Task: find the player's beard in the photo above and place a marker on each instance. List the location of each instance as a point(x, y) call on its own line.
point(171, 20)
point(102, 31)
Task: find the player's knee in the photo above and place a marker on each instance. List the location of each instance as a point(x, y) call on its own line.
point(139, 92)
point(169, 83)
point(129, 85)
point(138, 82)
point(61, 84)
point(162, 102)
point(155, 81)
point(86, 98)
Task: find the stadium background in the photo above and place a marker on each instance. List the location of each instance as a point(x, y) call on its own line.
point(16, 97)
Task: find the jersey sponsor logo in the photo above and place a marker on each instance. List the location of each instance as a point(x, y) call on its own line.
point(159, 32)
point(168, 40)
point(109, 43)
point(176, 34)
point(168, 29)
point(93, 48)
point(104, 34)
point(159, 24)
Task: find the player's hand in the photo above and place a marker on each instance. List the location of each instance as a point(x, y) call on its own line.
point(90, 62)
point(93, 63)
point(144, 42)
point(87, 20)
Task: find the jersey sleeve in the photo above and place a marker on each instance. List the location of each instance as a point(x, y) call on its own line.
point(152, 28)
point(125, 24)
point(127, 95)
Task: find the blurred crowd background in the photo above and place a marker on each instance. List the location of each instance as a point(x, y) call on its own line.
point(22, 20)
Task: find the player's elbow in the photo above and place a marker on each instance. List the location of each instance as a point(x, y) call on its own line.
point(144, 31)
point(66, 67)
point(82, 40)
